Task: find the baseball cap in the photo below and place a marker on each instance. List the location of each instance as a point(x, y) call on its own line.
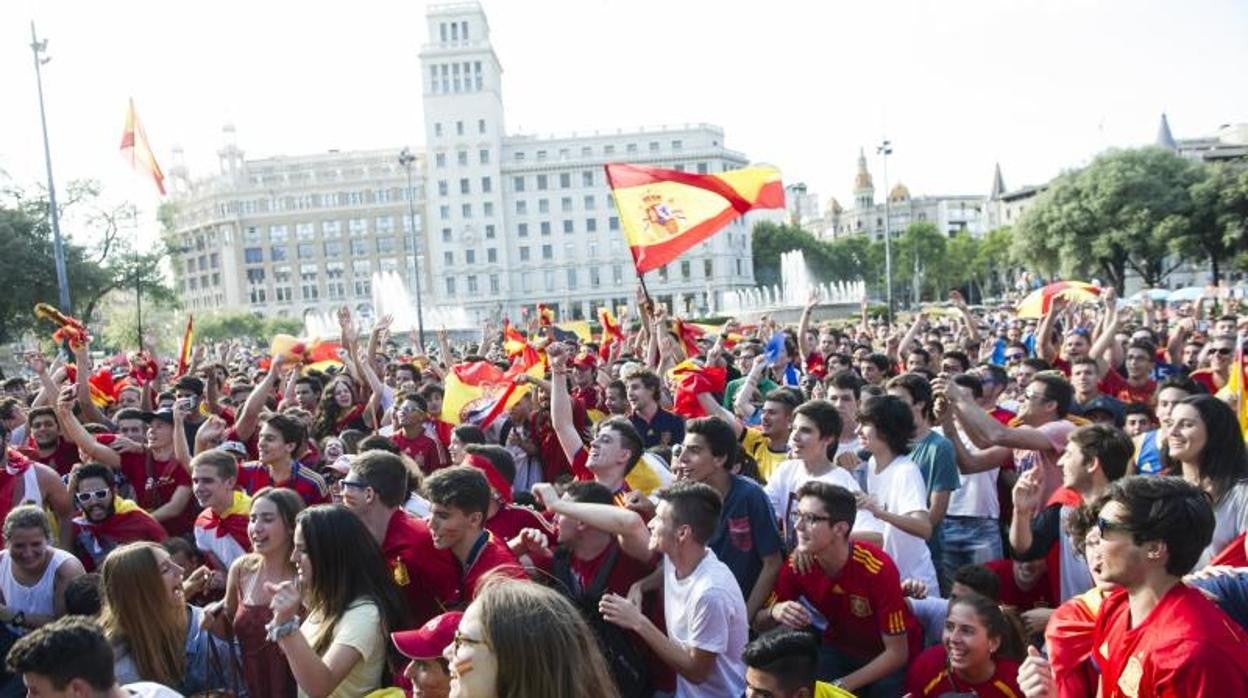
point(164, 414)
point(428, 641)
point(235, 447)
point(341, 464)
point(1106, 404)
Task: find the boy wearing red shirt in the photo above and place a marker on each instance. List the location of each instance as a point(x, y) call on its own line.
point(281, 437)
point(410, 415)
point(504, 519)
point(1157, 636)
point(374, 490)
point(221, 528)
point(459, 497)
point(852, 592)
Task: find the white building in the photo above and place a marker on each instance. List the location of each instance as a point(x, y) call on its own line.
point(509, 220)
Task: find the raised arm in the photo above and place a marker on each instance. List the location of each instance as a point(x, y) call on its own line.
point(803, 325)
point(895, 353)
point(561, 413)
point(86, 406)
point(625, 524)
point(968, 320)
point(245, 424)
point(1108, 329)
point(72, 429)
point(996, 433)
point(1045, 348)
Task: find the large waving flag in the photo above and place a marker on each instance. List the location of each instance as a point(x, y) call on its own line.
point(665, 212)
point(478, 392)
point(184, 351)
point(692, 379)
point(136, 150)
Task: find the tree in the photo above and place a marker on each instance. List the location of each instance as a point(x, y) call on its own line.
point(919, 254)
point(994, 261)
point(1119, 213)
point(1219, 229)
point(28, 265)
point(241, 324)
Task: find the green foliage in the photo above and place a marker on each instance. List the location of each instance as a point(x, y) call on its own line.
point(242, 325)
point(1220, 222)
point(1122, 212)
point(848, 259)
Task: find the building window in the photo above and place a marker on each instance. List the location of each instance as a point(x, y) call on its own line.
point(593, 250)
point(587, 151)
point(359, 248)
point(676, 145)
point(465, 187)
point(571, 278)
point(494, 284)
point(518, 156)
point(491, 255)
point(631, 148)
point(591, 225)
point(567, 226)
point(470, 257)
point(278, 253)
point(459, 128)
point(589, 202)
point(686, 271)
point(522, 230)
point(541, 156)
point(443, 189)
point(617, 274)
point(548, 251)
point(444, 212)
point(480, 122)
point(701, 168)
point(486, 185)
point(543, 206)
point(541, 182)
point(439, 159)
point(484, 156)
point(253, 255)
point(565, 180)
point(307, 250)
point(594, 279)
point(446, 235)
point(608, 150)
point(487, 209)
point(466, 210)
point(472, 284)
point(549, 279)
point(333, 248)
point(654, 146)
point(437, 127)
point(613, 223)
point(565, 204)
point(545, 227)
point(450, 286)
point(524, 253)
point(489, 232)
point(708, 268)
point(448, 258)
point(462, 158)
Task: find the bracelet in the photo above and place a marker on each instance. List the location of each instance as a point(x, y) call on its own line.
point(277, 631)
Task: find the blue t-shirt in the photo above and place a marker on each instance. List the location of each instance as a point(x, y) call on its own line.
point(664, 423)
point(1148, 458)
point(747, 532)
point(1231, 591)
point(938, 462)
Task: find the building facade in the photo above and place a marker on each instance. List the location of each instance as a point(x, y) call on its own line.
point(502, 221)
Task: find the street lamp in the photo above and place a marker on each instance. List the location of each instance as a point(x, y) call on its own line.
point(39, 48)
point(406, 159)
point(885, 149)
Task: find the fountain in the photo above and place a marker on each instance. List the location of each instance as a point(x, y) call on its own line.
point(793, 292)
point(390, 297)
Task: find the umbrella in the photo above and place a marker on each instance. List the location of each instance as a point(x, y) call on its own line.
point(1188, 293)
point(1037, 303)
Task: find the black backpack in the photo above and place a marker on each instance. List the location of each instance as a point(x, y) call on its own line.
point(627, 664)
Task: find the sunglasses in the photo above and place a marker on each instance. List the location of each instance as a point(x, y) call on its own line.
point(1014, 357)
point(1105, 526)
point(1224, 351)
point(96, 495)
point(353, 483)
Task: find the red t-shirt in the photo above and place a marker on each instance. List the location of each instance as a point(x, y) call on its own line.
point(490, 555)
point(510, 519)
point(1205, 377)
point(1117, 387)
point(62, 460)
point(422, 449)
point(929, 676)
point(252, 443)
point(309, 484)
point(860, 604)
point(1186, 648)
point(428, 577)
point(1012, 595)
point(1068, 637)
point(154, 482)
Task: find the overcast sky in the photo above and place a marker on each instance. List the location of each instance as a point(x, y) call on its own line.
point(1037, 85)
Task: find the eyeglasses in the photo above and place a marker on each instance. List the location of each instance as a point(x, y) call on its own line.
point(810, 519)
point(462, 639)
point(99, 495)
point(1105, 526)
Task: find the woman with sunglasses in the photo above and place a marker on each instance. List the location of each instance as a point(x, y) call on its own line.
point(1205, 445)
point(245, 611)
point(978, 656)
point(340, 648)
point(494, 653)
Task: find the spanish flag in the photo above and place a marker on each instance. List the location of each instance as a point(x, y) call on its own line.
point(136, 150)
point(665, 212)
point(478, 392)
point(513, 342)
point(1234, 390)
point(689, 334)
point(545, 315)
point(692, 379)
point(611, 332)
point(188, 341)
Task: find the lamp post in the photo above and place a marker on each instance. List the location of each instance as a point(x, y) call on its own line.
point(406, 159)
point(39, 48)
point(885, 149)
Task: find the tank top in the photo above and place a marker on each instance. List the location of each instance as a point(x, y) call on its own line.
point(38, 599)
point(1148, 459)
point(31, 494)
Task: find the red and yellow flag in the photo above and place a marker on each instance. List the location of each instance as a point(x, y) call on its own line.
point(1236, 387)
point(188, 341)
point(136, 150)
point(513, 342)
point(478, 392)
point(545, 315)
point(665, 212)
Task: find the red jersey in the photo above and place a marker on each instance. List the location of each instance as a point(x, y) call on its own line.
point(929, 676)
point(489, 555)
point(428, 577)
point(550, 451)
point(252, 443)
point(861, 603)
point(1012, 595)
point(309, 484)
point(427, 453)
point(154, 482)
point(1206, 378)
point(1069, 639)
point(62, 460)
point(11, 474)
point(1117, 387)
point(509, 520)
point(1186, 648)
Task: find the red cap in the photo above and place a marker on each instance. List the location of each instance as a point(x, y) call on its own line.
point(428, 641)
point(498, 483)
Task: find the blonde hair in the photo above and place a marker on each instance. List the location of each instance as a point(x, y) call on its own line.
point(139, 614)
point(567, 663)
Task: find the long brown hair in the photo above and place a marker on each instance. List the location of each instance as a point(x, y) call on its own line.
point(288, 504)
point(567, 663)
point(328, 411)
point(999, 623)
point(139, 614)
point(346, 566)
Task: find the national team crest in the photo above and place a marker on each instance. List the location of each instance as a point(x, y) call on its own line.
point(662, 213)
point(859, 606)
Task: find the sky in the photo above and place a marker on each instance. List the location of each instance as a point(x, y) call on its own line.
point(958, 86)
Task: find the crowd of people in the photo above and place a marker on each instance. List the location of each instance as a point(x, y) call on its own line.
point(963, 503)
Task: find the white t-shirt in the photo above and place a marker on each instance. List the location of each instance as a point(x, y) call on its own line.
point(978, 494)
point(360, 629)
point(900, 490)
point(147, 689)
point(1230, 518)
point(706, 610)
point(789, 476)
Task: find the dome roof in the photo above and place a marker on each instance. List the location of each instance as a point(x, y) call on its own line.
point(834, 206)
point(899, 193)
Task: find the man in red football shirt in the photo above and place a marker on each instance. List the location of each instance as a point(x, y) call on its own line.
point(410, 415)
point(1157, 636)
point(45, 443)
point(374, 490)
point(221, 528)
point(852, 592)
point(107, 520)
point(504, 519)
point(282, 437)
point(459, 497)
